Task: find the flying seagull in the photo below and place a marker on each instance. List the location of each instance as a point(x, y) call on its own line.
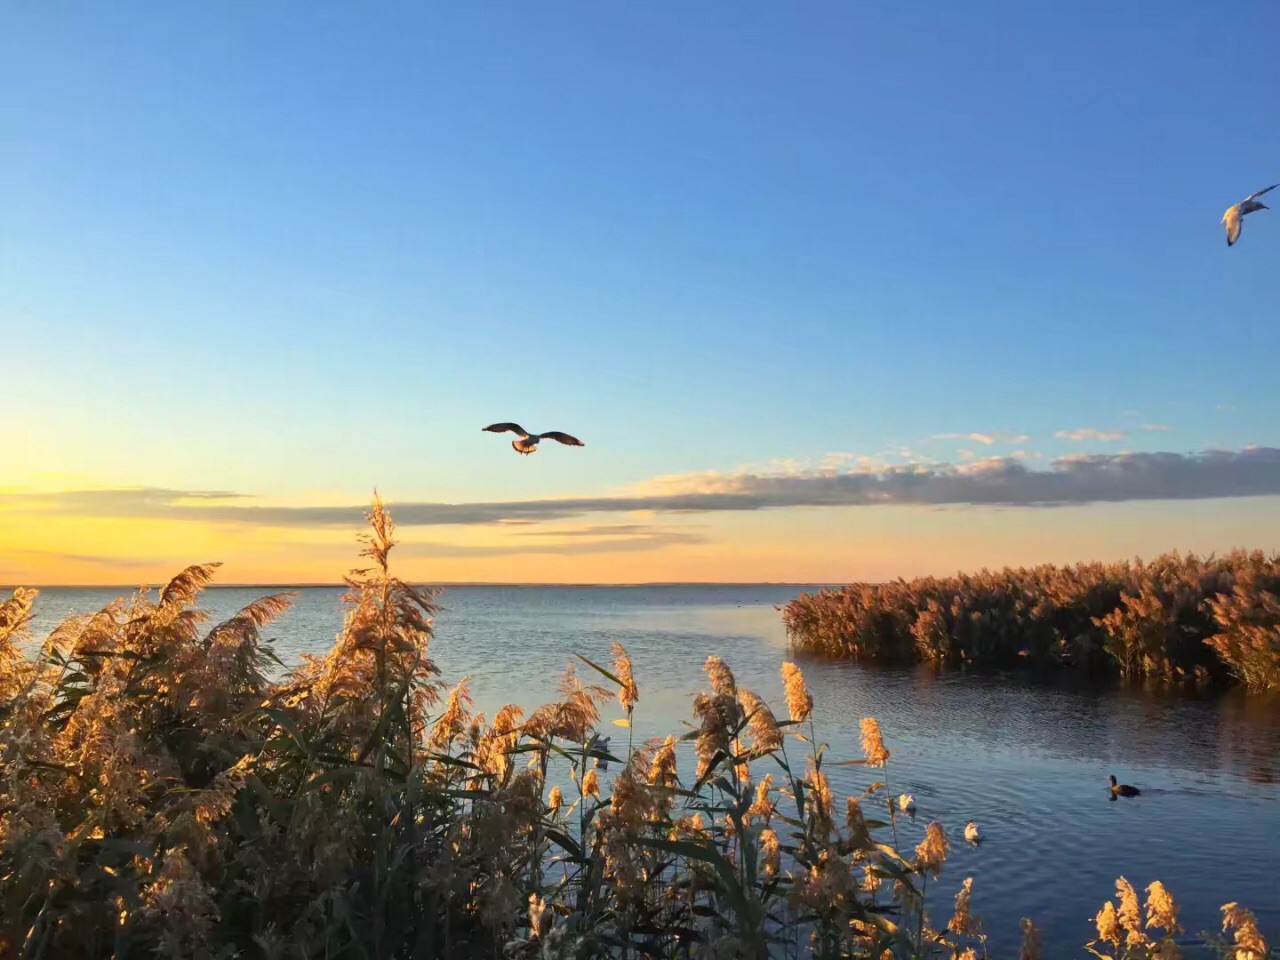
point(528, 442)
point(1235, 214)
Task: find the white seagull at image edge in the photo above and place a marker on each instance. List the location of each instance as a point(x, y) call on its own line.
point(1236, 213)
point(528, 442)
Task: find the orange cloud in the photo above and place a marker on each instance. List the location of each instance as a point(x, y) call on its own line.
point(1090, 433)
point(686, 522)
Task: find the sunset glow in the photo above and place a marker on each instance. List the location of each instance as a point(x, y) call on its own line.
point(811, 323)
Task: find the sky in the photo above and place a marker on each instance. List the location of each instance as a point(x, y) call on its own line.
point(831, 292)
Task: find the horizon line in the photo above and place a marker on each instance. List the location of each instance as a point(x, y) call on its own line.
point(320, 585)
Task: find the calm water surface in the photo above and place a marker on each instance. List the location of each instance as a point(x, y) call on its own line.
point(1027, 761)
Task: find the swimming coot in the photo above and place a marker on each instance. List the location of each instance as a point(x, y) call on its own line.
point(1123, 789)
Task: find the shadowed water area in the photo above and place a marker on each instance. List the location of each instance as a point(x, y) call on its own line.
point(1028, 761)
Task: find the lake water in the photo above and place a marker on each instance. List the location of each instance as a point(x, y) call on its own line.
point(1028, 761)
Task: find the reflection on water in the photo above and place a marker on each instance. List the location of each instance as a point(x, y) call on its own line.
point(1027, 760)
point(1224, 731)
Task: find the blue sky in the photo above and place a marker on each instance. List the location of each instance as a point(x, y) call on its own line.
point(297, 250)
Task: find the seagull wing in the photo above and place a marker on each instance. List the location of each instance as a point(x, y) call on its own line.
point(1232, 220)
point(563, 438)
point(1255, 196)
point(504, 427)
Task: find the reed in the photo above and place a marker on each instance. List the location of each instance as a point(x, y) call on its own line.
point(1172, 618)
point(162, 795)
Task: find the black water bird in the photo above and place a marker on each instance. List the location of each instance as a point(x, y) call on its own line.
point(1123, 789)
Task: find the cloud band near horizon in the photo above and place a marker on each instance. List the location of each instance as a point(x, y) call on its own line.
point(992, 482)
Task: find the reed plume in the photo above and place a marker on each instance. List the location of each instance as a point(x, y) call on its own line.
point(449, 726)
point(662, 769)
point(719, 716)
point(539, 917)
point(761, 723)
point(962, 921)
point(873, 743)
point(574, 717)
point(1108, 923)
point(820, 794)
point(721, 677)
point(628, 692)
point(1248, 942)
point(856, 824)
point(1129, 913)
point(770, 853)
point(1032, 944)
point(1161, 910)
point(931, 852)
point(762, 806)
point(799, 702)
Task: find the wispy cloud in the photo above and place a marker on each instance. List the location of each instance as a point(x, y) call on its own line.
point(1090, 433)
point(975, 437)
point(993, 481)
point(610, 538)
point(984, 438)
point(99, 560)
point(122, 502)
point(1155, 427)
point(793, 466)
point(597, 530)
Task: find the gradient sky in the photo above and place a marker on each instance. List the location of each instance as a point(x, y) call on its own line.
point(292, 251)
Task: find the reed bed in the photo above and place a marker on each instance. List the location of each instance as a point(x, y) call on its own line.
point(1173, 618)
point(160, 795)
